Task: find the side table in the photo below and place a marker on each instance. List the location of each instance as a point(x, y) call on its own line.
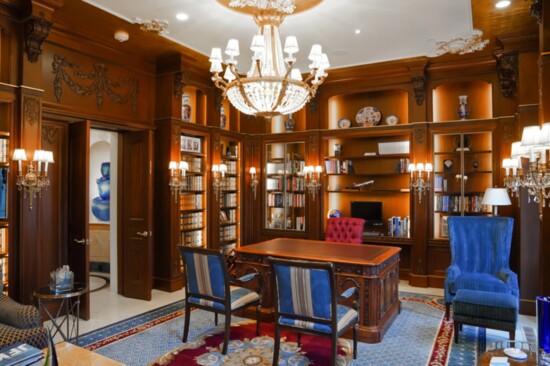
point(497, 350)
point(70, 305)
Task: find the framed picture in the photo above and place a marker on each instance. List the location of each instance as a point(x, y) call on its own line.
point(191, 144)
point(444, 228)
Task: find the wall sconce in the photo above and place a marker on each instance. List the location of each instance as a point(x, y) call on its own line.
point(420, 184)
point(313, 185)
point(36, 178)
point(177, 181)
point(218, 172)
point(253, 181)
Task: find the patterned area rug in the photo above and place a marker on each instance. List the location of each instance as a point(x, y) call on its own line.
point(419, 336)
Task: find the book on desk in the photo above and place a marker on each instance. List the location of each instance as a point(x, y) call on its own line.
point(20, 354)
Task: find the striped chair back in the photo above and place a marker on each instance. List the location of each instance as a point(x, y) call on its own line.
point(205, 273)
point(304, 289)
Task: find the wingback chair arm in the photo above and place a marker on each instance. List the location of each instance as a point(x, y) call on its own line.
point(511, 279)
point(17, 315)
point(453, 271)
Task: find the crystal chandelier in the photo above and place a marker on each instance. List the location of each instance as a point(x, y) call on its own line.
point(535, 144)
point(272, 86)
point(35, 179)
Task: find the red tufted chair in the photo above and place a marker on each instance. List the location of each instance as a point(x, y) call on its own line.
point(345, 230)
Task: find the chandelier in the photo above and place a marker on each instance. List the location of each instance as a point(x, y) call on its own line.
point(272, 86)
point(534, 144)
point(36, 179)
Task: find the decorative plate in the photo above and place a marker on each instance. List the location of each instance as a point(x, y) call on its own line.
point(515, 353)
point(392, 120)
point(334, 213)
point(368, 116)
point(344, 123)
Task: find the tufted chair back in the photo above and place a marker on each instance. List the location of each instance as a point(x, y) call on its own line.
point(20, 323)
point(345, 230)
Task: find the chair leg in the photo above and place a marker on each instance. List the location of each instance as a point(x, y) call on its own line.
point(447, 310)
point(355, 331)
point(187, 320)
point(227, 330)
point(258, 308)
point(512, 335)
point(457, 329)
point(276, 346)
point(216, 319)
point(334, 348)
point(299, 341)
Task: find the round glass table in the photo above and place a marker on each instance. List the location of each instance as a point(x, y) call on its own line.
point(68, 312)
point(497, 350)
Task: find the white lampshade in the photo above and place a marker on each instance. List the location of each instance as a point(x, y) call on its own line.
point(291, 44)
point(252, 170)
point(48, 157)
point(228, 75)
point(216, 66)
point(429, 167)
point(38, 155)
point(496, 197)
point(420, 167)
point(412, 167)
point(324, 64)
point(544, 139)
point(223, 168)
point(530, 136)
point(232, 48)
point(258, 43)
point(184, 166)
point(518, 150)
point(318, 169)
point(172, 165)
point(296, 74)
point(216, 55)
point(19, 155)
point(315, 53)
point(215, 168)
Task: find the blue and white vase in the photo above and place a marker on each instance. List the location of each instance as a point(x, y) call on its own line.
point(101, 205)
point(463, 107)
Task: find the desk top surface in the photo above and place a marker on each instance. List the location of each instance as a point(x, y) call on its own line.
point(322, 251)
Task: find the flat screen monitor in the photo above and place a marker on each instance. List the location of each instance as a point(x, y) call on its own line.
point(370, 211)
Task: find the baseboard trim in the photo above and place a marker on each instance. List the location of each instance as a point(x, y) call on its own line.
point(418, 280)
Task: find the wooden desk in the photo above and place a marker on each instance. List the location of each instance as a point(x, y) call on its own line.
point(373, 269)
point(70, 355)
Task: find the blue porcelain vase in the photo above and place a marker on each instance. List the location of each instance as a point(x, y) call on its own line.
point(101, 205)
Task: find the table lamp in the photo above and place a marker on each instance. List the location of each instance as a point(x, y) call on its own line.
point(496, 197)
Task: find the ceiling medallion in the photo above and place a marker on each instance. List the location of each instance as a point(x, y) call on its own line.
point(153, 26)
point(461, 45)
point(272, 86)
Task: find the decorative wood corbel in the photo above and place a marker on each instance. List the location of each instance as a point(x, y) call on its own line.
point(419, 87)
point(180, 82)
point(536, 10)
point(507, 69)
point(37, 30)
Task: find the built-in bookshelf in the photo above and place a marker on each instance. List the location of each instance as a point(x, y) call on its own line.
point(192, 200)
point(285, 186)
point(230, 207)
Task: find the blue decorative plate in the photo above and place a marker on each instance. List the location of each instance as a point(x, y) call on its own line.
point(334, 213)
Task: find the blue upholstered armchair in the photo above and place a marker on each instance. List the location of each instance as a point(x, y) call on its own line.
point(480, 250)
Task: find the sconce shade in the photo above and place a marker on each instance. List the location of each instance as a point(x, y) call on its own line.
point(183, 165)
point(172, 165)
point(215, 168)
point(530, 136)
point(48, 157)
point(38, 155)
point(496, 197)
point(518, 150)
point(19, 155)
point(252, 170)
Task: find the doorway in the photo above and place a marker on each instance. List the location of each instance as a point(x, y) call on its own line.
point(103, 183)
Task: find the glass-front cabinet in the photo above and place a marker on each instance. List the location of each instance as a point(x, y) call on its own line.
point(230, 208)
point(285, 186)
point(463, 169)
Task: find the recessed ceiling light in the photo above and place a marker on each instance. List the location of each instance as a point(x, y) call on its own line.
point(182, 16)
point(502, 4)
point(357, 31)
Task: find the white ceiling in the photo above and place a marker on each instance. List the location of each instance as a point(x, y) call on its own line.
point(390, 29)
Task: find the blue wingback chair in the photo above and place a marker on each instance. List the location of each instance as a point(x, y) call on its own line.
point(480, 250)
point(209, 288)
point(305, 301)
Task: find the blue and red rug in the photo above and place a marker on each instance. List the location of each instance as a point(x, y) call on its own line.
point(419, 336)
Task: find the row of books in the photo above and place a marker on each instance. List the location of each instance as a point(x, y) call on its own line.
point(4, 270)
point(231, 166)
point(291, 183)
point(191, 220)
point(192, 238)
point(230, 183)
point(398, 227)
point(229, 200)
point(454, 204)
point(403, 165)
point(228, 215)
point(195, 163)
point(193, 183)
point(228, 233)
point(289, 167)
point(339, 167)
point(394, 147)
point(190, 202)
point(3, 240)
point(4, 150)
point(276, 199)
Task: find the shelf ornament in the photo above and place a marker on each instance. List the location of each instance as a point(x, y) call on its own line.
point(253, 181)
point(420, 184)
point(35, 179)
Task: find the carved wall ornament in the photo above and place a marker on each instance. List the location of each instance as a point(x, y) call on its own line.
point(154, 26)
point(36, 31)
point(176, 135)
point(313, 143)
point(50, 134)
point(100, 84)
point(418, 136)
point(419, 87)
point(180, 82)
point(507, 69)
point(536, 10)
point(467, 43)
point(31, 110)
point(217, 141)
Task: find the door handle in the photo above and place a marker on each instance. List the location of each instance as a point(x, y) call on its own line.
point(81, 241)
point(144, 233)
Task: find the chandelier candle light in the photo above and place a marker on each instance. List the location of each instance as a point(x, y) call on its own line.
point(535, 144)
point(420, 184)
point(272, 86)
point(313, 185)
point(36, 178)
point(177, 178)
point(253, 181)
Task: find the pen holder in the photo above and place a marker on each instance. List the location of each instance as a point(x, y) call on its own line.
point(61, 280)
